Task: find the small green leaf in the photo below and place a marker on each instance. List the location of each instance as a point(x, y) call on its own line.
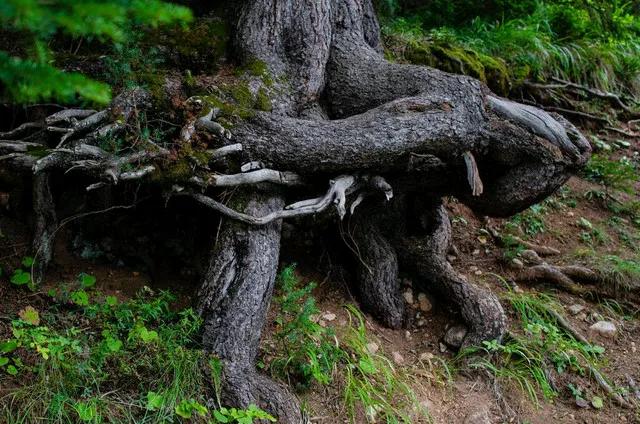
point(80, 298)
point(8, 346)
point(20, 277)
point(220, 417)
point(597, 402)
point(148, 336)
point(3, 361)
point(27, 262)
point(184, 409)
point(154, 401)
point(12, 370)
point(86, 280)
point(111, 301)
point(114, 345)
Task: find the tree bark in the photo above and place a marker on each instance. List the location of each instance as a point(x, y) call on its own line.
point(342, 113)
point(234, 299)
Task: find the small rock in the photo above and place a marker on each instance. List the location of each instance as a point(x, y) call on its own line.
point(426, 405)
point(372, 347)
point(451, 258)
point(407, 335)
point(576, 309)
point(517, 289)
point(473, 268)
point(604, 328)
point(443, 347)
point(478, 417)
point(476, 252)
point(516, 263)
point(482, 239)
point(478, 272)
point(581, 317)
point(426, 356)
point(454, 336)
point(424, 303)
point(581, 403)
point(422, 323)
point(329, 316)
point(397, 358)
point(322, 323)
point(633, 347)
point(571, 214)
point(408, 296)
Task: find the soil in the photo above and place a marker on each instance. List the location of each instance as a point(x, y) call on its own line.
point(459, 400)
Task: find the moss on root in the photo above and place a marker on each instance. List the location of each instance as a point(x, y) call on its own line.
point(456, 59)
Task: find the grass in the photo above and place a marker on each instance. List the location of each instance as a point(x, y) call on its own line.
point(372, 388)
point(540, 350)
point(90, 358)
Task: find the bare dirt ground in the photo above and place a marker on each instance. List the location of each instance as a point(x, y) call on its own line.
point(458, 397)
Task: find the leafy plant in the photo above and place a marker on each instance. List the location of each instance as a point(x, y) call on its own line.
point(618, 174)
point(32, 75)
point(544, 347)
point(308, 351)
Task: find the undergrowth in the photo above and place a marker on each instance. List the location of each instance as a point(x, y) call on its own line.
point(538, 353)
point(372, 387)
point(92, 358)
point(592, 43)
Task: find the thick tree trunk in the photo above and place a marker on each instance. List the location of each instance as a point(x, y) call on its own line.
point(377, 265)
point(45, 223)
point(340, 112)
point(234, 299)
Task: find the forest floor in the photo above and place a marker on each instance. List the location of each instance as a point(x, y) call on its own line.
point(581, 227)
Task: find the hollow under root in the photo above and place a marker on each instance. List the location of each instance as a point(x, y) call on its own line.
point(425, 249)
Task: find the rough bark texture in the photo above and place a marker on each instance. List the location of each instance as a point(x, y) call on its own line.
point(377, 264)
point(234, 298)
point(424, 248)
point(45, 223)
point(341, 112)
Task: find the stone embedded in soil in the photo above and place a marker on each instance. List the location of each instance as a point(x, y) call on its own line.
point(576, 309)
point(478, 417)
point(329, 316)
point(372, 347)
point(604, 328)
point(408, 296)
point(397, 358)
point(426, 356)
point(424, 303)
point(516, 263)
point(454, 336)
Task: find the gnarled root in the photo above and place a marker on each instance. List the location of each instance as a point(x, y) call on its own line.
point(44, 225)
point(234, 299)
point(377, 263)
point(425, 251)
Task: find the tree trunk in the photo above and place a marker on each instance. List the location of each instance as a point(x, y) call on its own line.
point(342, 113)
point(234, 299)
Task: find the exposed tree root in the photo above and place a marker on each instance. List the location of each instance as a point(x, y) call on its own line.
point(377, 264)
point(234, 299)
